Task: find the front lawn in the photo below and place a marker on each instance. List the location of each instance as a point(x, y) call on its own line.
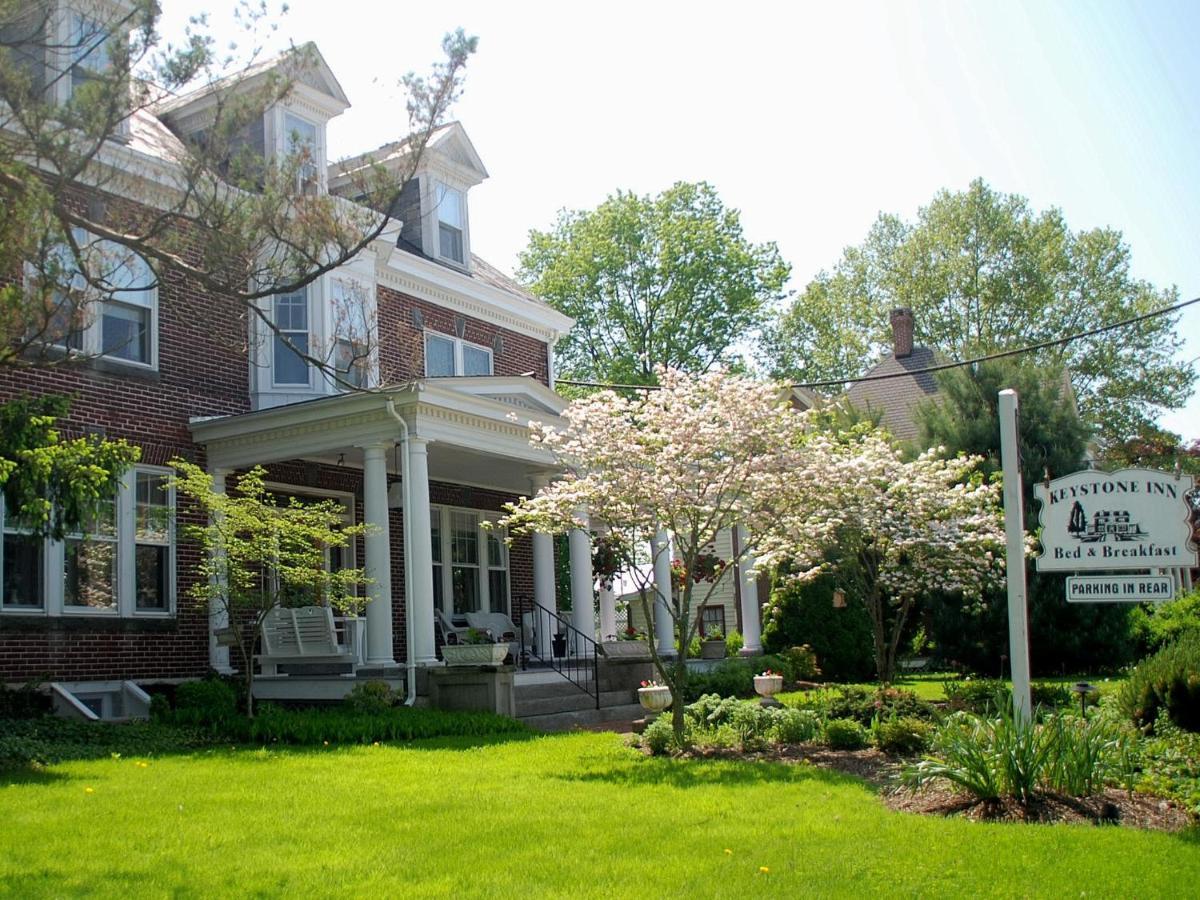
point(564, 815)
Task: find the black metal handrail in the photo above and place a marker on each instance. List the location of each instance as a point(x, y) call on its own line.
point(559, 645)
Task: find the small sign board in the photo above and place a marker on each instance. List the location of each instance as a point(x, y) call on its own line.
point(1119, 588)
point(1128, 519)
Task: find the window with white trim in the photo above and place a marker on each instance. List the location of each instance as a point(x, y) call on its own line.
point(22, 567)
point(451, 219)
point(121, 563)
point(302, 144)
point(470, 562)
point(446, 356)
point(87, 48)
point(289, 368)
point(114, 316)
point(352, 311)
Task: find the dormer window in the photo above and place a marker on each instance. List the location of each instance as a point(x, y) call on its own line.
point(87, 48)
point(450, 217)
point(303, 146)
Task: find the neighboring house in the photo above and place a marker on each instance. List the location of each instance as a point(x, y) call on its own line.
point(897, 398)
point(464, 358)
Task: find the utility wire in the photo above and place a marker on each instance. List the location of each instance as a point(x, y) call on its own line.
point(1042, 345)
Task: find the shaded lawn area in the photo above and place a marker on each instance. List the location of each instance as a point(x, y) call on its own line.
point(931, 687)
point(560, 815)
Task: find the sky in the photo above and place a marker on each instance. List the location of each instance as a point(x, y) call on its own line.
point(811, 119)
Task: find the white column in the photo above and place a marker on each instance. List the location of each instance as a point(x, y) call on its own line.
point(543, 580)
point(379, 556)
point(218, 614)
point(583, 597)
point(420, 554)
point(751, 609)
point(664, 625)
point(608, 613)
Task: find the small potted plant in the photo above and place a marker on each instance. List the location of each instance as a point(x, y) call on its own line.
point(477, 648)
point(712, 646)
point(654, 696)
point(767, 684)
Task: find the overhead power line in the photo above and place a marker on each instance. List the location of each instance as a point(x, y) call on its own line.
point(940, 367)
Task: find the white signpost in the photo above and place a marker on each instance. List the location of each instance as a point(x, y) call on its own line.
point(1128, 519)
point(1014, 529)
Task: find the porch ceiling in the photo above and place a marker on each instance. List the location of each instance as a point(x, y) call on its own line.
point(474, 438)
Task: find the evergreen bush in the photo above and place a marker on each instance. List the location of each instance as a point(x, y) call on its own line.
point(1168, 681)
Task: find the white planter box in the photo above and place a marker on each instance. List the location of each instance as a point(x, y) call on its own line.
point(655, 699)
point(768, 685)
point(626, 649)
point(474, 654)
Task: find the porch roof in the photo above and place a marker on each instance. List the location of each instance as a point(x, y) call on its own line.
point(478, 427)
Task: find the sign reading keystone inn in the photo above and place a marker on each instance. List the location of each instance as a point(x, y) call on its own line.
point(1128, 519)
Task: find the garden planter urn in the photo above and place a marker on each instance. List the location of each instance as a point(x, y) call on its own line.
point(655, 698)
point(712, 649)
point(768, 685)
point(474, 654)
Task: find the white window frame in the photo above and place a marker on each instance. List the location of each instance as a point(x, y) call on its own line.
point(276, 139)
point(440, 192)
point(54, 562)
point(484, 566)
point(303, 492)
point(337, 290)
point(91, 334)
point(459, 344)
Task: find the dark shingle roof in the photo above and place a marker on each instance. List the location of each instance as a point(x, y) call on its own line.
point(898, 397)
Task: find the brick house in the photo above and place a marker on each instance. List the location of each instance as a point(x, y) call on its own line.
point(426, 452)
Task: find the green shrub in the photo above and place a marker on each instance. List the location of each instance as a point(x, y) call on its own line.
point(49, 739)
point(1169, 764)
point(209, 703)
point(987, 695)
point(659, 736)
point(753, 724)
point(1158, 624)
point(24, 702)
point(800, 614)
point(845, 734)
point(1049, 695)
point(906, 735)
point(371, 697)
point(865, 706)
point(711, 711)
point(1167, 681)
point(734, 643)
point(729, 678)
point(801, 663)
point(1087, 753)
point(797, 726)
point(315, 726)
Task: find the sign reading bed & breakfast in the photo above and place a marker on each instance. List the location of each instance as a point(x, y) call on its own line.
point(1128, 519)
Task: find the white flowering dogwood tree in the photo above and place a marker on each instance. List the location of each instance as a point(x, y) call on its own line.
point(699, 455)
point(890, 530)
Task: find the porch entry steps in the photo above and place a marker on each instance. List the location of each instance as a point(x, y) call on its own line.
point(559, 705)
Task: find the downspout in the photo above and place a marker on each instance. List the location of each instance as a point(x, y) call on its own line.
point(410, 660)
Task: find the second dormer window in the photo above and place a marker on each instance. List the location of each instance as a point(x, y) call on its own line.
point(450, 224)
point(304, 152)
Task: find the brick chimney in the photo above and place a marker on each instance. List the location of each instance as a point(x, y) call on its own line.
point(902, 332)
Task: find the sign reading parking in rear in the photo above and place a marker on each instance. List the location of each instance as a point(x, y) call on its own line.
point(1119, 588)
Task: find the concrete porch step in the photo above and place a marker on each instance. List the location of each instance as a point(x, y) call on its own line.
point(593, 719)
point(578, 700)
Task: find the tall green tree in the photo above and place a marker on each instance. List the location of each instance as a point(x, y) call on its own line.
point(983, 271)
point(653, 281)
point(1053, 441)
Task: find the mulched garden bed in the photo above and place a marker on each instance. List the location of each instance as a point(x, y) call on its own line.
point(881, 770)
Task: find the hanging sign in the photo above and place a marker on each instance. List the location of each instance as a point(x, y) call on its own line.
point(1128, 519)
point(1119, 588)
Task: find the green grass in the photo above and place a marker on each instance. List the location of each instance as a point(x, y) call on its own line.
point(931, 687)
point(569, 815)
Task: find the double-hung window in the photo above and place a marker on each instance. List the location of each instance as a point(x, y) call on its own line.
point(450, 220)
point(464, 560)
point(22, 567)
point(352, 327)
point(154, 523)
point(497, 567)
point(291, 318)
point(113, 312)
point(87, 49)
point(446, 356)
point(304, 152)
point(91, 559)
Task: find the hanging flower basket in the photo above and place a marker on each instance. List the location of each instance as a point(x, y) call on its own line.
point(474, 654)
point(768, 684)
point(654, 697)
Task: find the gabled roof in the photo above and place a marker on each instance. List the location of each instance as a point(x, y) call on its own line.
point(898, 397)
point(303, 64)
point(449, 141)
